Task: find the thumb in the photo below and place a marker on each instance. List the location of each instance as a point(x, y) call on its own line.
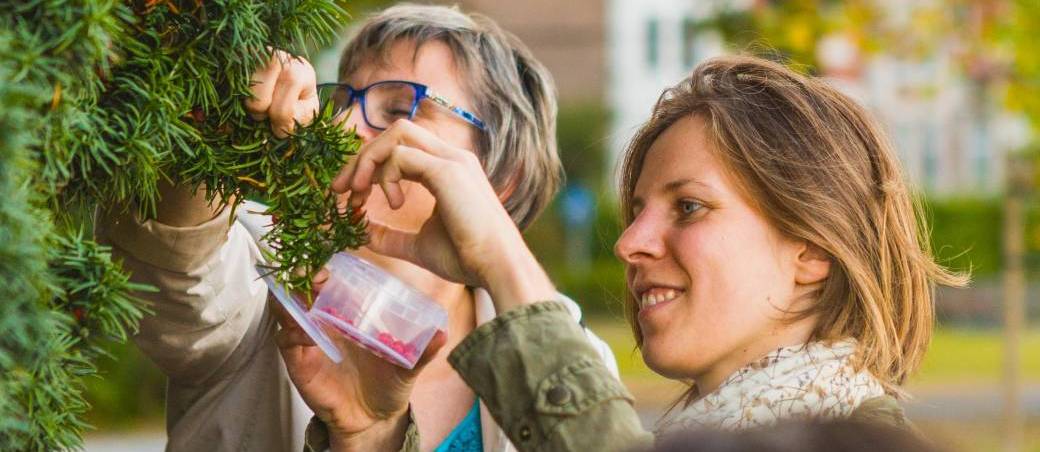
point(392, 242)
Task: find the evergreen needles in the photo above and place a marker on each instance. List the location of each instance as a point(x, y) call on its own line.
point(98, 101)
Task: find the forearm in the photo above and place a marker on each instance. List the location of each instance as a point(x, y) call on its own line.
point(179, 206)
point(519, 280)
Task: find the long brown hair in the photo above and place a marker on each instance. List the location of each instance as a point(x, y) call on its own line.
point(820, 169)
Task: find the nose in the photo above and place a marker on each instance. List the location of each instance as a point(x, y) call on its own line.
point(356, 121)
point(642, 240)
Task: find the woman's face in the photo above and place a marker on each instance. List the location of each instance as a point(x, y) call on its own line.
point(711, 276)
point(433, 66)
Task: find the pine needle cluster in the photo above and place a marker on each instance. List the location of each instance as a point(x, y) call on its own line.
point(100, 100)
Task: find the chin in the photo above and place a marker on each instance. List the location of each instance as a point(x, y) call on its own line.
point(662, 360)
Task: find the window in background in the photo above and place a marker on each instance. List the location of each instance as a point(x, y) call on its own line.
point(689, 44)
point(931, 158)
point(653, 32)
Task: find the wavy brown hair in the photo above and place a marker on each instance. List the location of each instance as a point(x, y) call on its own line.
point(819, 168)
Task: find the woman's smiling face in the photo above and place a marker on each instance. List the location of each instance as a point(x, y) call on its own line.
point(711, 276)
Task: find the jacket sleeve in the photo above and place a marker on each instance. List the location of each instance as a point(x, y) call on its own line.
point(317, 439)
point(209, 313)
point(546, 384)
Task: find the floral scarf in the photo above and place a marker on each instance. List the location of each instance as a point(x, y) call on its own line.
point(815, 380)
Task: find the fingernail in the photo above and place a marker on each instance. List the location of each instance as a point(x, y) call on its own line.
point(358, 215)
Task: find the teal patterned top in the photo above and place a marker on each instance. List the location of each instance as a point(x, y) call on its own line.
point(466, 436)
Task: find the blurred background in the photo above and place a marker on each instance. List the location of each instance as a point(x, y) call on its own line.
point(955, 82)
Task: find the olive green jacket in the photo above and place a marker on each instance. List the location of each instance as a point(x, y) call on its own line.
point(547, 387)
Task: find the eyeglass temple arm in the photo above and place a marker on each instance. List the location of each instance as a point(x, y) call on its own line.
point(469, 117)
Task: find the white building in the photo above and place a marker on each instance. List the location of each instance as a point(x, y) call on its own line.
point(951, 142)
point(651, 45)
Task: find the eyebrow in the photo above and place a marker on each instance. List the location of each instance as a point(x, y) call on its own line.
point(677, 184)
point(637, 201)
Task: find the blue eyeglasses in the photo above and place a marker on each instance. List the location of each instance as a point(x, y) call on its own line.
point(384, 102)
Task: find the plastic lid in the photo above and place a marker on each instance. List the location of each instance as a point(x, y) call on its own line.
point(256, 224)
point(300, 316)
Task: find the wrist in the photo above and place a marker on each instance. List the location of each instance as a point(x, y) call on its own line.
point(386, 434)
point(518, 280)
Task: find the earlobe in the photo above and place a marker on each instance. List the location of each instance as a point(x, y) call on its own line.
point(813, 265)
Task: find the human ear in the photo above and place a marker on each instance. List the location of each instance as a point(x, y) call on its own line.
point(813, 264)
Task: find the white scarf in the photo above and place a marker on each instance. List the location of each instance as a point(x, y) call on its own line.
point(811, 381)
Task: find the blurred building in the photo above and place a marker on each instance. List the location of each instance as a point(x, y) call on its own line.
point(951, 134)
point(951, 137)
point(653, 44)
point(569, 37)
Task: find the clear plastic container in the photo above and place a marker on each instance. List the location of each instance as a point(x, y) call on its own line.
point(371, 307)
point(377, 310)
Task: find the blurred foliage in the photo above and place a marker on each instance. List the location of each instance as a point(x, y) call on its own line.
point(129, 391)
point(792, 29)
point(966, 234)
point(581, 134)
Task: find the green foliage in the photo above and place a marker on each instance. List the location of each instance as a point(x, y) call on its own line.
point(966, 234)
point(23, 258)
point(130, 390)
point(99, 100)
point(790, 30)
point(580, 135)
point(1018, 35)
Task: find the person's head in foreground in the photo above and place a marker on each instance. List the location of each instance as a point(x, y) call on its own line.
point(799, 436)
point(773, 254)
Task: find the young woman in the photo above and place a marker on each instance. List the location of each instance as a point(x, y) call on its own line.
point(453, 76)
point(773, 258)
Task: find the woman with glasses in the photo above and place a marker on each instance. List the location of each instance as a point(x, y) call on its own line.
point(409, 71)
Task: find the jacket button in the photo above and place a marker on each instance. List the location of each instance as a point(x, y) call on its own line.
point(525, 433)
point(558, 395)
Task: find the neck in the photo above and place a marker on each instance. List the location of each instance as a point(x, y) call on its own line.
point(792, 334)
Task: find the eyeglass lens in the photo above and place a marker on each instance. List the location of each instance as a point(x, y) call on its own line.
point(384, 103)
point(388, 102)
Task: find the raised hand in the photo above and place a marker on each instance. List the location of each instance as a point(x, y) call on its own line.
point(363, 400)
point(469, 239)
point(284, 92)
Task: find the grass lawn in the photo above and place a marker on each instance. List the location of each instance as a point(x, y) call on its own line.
point(967, 356)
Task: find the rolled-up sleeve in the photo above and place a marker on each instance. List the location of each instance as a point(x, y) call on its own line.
point(318, 440)
point(546, 385)
point(209, 316)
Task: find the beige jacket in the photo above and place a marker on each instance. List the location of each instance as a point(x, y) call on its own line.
point(212, 334)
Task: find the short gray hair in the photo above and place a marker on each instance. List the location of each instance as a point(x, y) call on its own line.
point(512, 92)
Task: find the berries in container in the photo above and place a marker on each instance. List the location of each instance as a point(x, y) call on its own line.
point(377, 310)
